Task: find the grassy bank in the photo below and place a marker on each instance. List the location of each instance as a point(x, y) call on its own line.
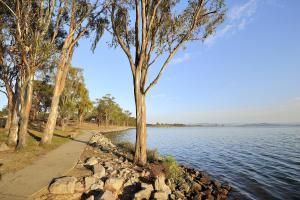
point(15, 160)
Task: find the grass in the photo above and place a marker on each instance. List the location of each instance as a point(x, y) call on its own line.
point(171, 168)
point(152, 154)
point(15, 160)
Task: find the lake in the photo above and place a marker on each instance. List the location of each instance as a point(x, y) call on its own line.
point(259, 162)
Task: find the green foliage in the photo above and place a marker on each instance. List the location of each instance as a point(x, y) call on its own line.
point(171, 168)
point(152, 155)
point(108, 112)
point(75, 102)
point(3, 112)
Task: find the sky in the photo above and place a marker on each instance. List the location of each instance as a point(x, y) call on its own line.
point(247, 72)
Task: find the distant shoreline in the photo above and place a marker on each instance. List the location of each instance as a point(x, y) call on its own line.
point(221, 125)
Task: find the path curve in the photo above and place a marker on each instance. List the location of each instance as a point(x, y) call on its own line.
point(25, 182)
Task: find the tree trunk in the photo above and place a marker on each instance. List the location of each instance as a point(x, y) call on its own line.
point(14, 127)
point(140, 156)
point(58, 88)
point(26, 101)
point(10, 105)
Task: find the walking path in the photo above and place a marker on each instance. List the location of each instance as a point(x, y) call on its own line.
point(22, 184)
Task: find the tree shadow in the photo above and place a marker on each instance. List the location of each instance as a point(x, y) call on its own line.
point(35, 137)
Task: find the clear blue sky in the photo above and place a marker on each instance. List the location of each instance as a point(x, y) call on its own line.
point(249, 71)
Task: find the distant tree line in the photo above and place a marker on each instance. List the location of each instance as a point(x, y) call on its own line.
point(108, 112)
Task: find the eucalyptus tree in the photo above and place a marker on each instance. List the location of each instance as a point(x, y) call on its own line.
point(34, 46)
point(9, 71)
point(152, 31)
point(78, 18)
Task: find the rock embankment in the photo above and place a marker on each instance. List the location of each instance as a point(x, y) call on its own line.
point(105, 172)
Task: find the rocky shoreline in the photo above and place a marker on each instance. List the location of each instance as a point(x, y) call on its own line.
point(106, 172)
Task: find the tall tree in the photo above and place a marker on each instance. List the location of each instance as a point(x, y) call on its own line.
point(34, 46)
point(81, 18)
point(148, 30)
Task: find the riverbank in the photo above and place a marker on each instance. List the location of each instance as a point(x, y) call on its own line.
point(106, 171)
point(12, 160)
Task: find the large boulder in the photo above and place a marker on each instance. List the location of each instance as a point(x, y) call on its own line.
point(160, 184)
point(107, 195)
point(145, 193)
point(114, 184)
point(91, 161)
point(98, 186)
point(88, 182)
point(64, 185)
point(98, 170)
point(160, 195)
point(79, 187)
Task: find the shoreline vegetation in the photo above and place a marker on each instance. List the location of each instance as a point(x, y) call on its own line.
point(106, 171)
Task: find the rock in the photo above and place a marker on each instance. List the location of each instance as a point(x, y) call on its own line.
point(160, 195)
point(89, 181)
point(205, 180)
point(198, 197)
point(97, 186)
point(91, 198)
point(131, 181)
point(172, 196)
point(91, 161)
point(79, 187)
point(98, 170)
point(196, 187)
point(160, 185)
point(114, 184)
point(217, 184)
point(184, 187)
point(107, 195)
point(64, 185)
point(3, 147)
point(179, 194)
point(145, 193)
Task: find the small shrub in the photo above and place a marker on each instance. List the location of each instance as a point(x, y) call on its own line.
point(127, 146)
point(171, 168)
point(152, 155)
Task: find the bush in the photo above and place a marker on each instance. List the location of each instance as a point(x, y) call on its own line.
point(152, 155)
point(171, 168)
point(127, 146)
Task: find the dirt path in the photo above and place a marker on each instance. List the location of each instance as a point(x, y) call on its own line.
point(24, 183)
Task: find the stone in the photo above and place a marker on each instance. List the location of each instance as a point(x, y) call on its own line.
point(91, 161)
point(179, 194)
point(196, 187)
point(64, 185)
point(97, 186)
point(160, 195)
point(145, 193)
point(114, 184)
point(217, 184)
point(160, 185)
point(107, 195)
point(79, 187)
point(89, 181)
point(91, 198)
point(198, 197)
point(3, 147)
point(98, 170)
point(184, 187)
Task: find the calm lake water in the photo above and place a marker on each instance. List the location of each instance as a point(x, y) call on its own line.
point(259, 162)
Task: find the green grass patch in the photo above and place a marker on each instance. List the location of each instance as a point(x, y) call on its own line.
point(171, 168)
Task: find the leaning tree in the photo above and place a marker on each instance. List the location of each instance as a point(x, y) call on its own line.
point(78, 19)
point(152, 31)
